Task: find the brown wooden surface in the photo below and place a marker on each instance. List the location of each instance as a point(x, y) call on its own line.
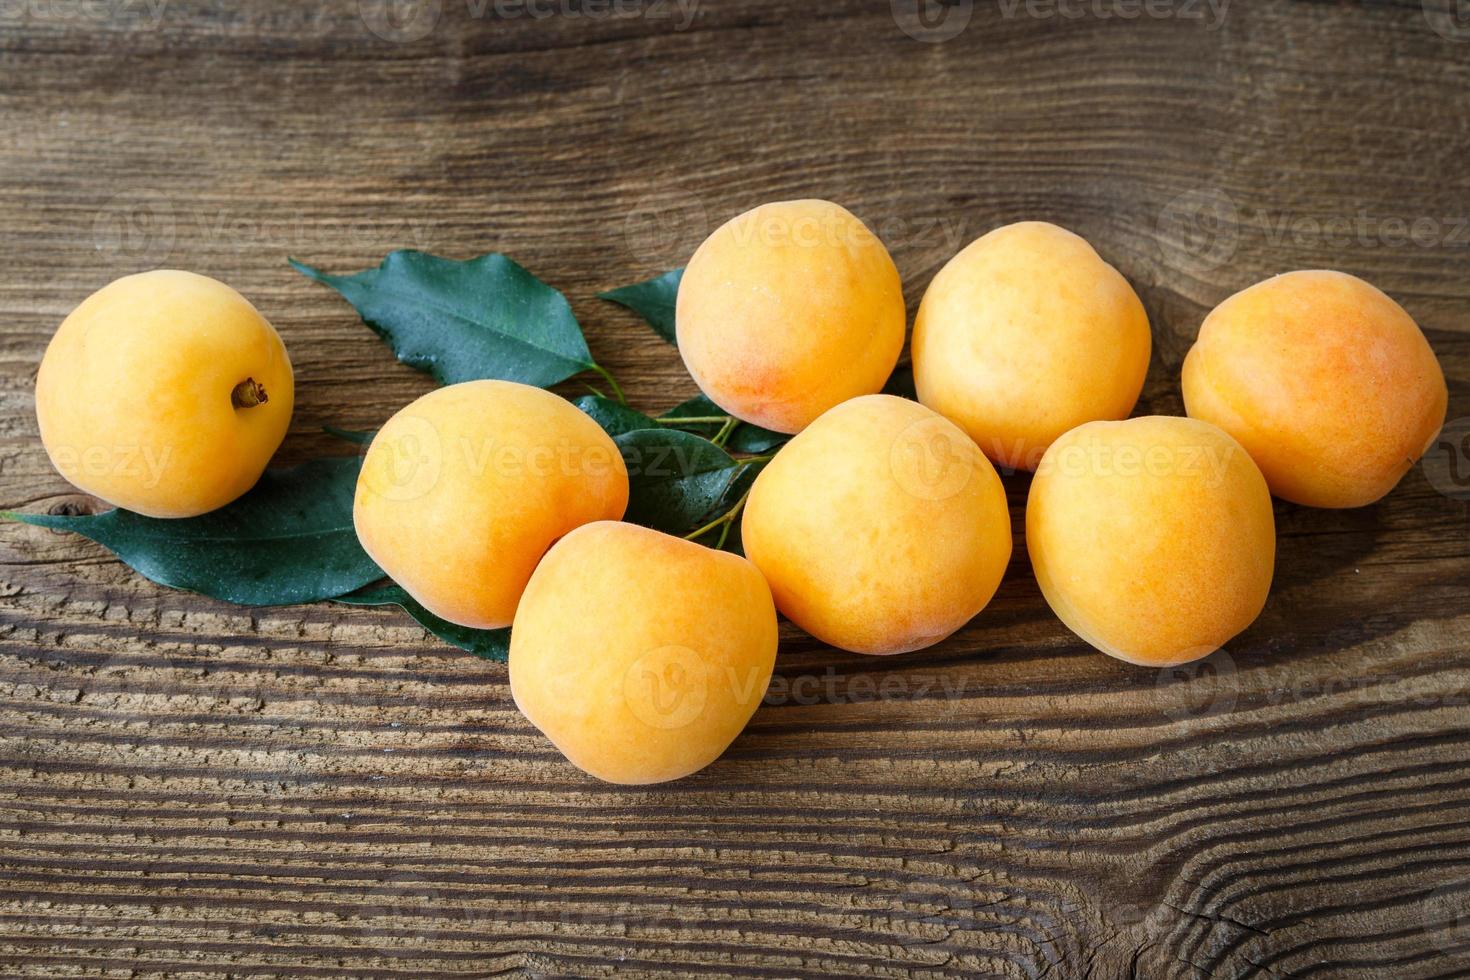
point(190, 789)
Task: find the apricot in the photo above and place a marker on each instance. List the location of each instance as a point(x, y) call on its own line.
point(1328, 383)
point(1152, 539)
point(463, 490)
point(641, 655)
point(164, 393)
point(787, 310)
point(1025, 334)
point(881, 527)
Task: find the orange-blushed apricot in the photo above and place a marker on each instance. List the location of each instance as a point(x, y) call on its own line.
point(787, 310)
point(1327, 382)
point(1152, 539)
point(463, 490)
point(1025, 334)
point(640, 655)
point(881, 527)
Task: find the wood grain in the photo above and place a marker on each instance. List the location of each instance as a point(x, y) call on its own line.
point(193, 790)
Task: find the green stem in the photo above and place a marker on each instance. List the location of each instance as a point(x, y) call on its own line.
point(725, 520)
point(755, 459)
point(693, 420)
point(611, 383)
point(724, 433)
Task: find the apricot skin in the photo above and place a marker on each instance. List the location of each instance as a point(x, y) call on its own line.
point(882, 528)
point(1025, 334)
point(787, 310)
point(134, 402)
point(640, 655)
point(1152, 539)
point(1328, 383)
point(463, 490)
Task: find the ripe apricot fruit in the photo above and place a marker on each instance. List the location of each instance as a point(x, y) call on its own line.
point(462, 492)
point(1152, 539)
point(1025, 334)
point(641, 655)
point(164, 393)
point(881, 527)
point(1328, 383)
point(787, 310)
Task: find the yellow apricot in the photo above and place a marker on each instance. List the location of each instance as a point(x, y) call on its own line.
point(787, 310)
point(462, 492)
point(1328, 383)
point(1152, 539)
point(1025, 334)
point(641, 655)
point(164, 393)
point(881, 527)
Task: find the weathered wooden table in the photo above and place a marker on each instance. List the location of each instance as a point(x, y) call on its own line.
point(193, 789)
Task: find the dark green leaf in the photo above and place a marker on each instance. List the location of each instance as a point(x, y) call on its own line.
point(289, 540)
point(653, 300)
point(675, 478)
point(738, 489)
point(615, 417)
point(350, 435)
point(463, 321)
point(490, 644)
point(698, 407)
point(745, 438)
point(753, 439)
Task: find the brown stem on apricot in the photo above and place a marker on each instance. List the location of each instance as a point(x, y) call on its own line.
point(248, 394)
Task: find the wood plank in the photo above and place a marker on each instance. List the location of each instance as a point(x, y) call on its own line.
point(191, 789)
